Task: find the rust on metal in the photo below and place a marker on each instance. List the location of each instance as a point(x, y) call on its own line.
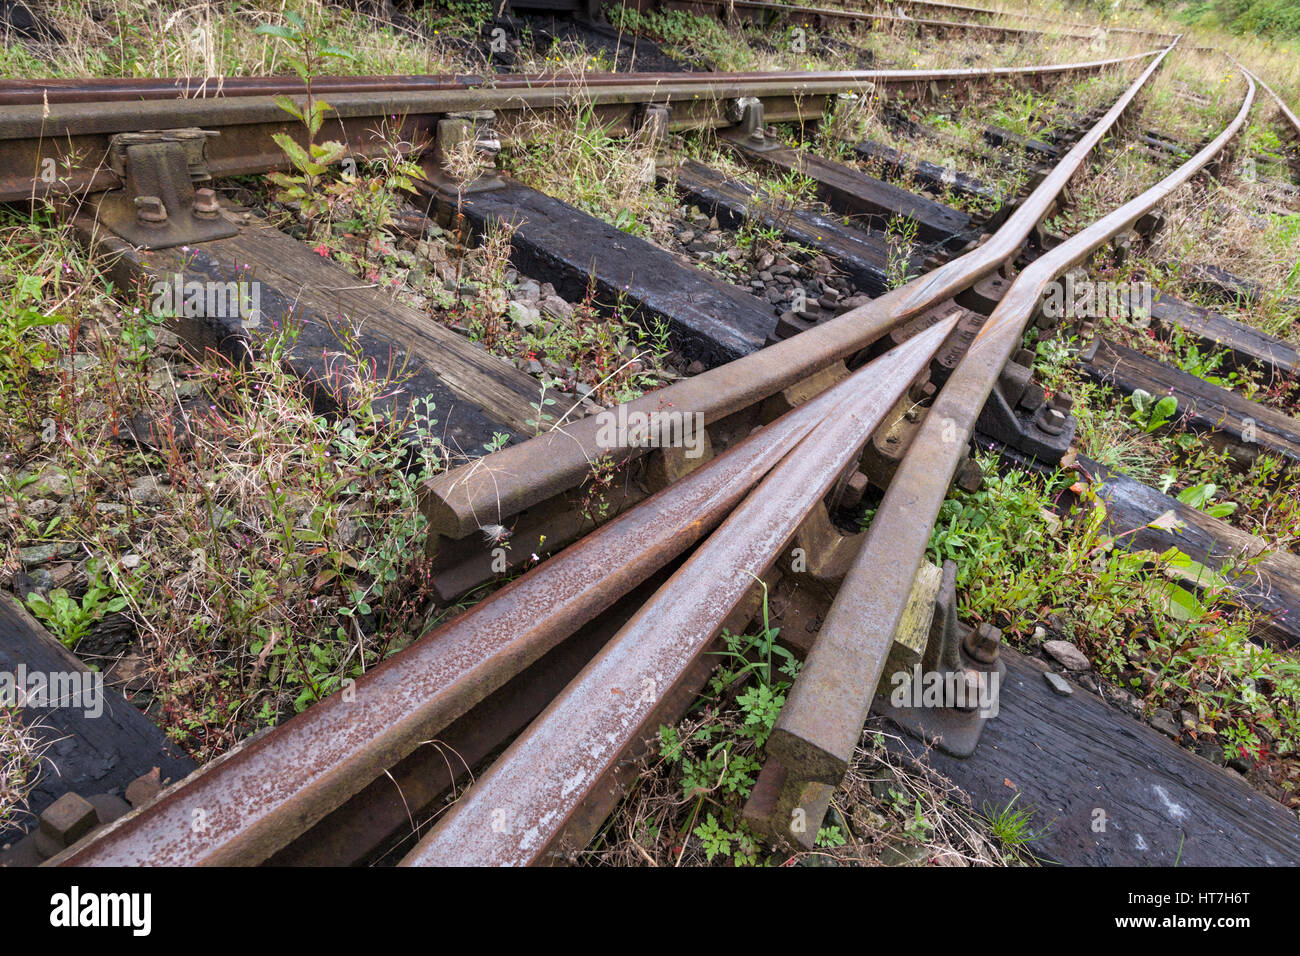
point(818, 729)
point(511, 815)
point(74, 134)
point(257, 799)
point(506, 482)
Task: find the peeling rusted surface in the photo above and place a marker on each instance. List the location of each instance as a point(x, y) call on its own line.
point(818, 728)
point(511, 815)
point(75, 133)
point(246, 806)
point(508, 481)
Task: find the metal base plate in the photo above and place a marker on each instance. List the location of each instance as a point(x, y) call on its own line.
point(117, 213)
point(955, 732)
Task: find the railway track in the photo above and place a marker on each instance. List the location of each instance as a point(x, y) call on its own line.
point(552, 684)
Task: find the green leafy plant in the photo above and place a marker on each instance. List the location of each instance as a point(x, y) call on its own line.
point(1201, 496)
point(1152, 413)
point(830, 837)
point(20, 352)
point(1204, 364)
point(717, 762)
point(70, 620)
point(626, 220)
point(309, 54)
point(900, 236)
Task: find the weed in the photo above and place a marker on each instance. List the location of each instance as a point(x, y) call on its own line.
point(900, 236)
point(309, 51)
point(1152, 413)
point(70, 619)
point(1162, 625)
point(1013, 825)
point(21, 754)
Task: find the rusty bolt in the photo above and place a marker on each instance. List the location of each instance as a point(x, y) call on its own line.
point(984, 643)
point(150, 209)
point(1062, 402)
point(854, 490)
point(1032, 398)
point(205, 203)
point(1053, 421)
point(68, 819)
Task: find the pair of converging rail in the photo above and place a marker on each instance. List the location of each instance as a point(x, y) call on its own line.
point(260, 797)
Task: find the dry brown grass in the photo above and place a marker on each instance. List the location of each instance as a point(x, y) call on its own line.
point(20, 765)
point(208, 38)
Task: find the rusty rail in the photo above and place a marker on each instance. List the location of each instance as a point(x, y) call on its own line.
point(256, 800)
point(503, 484)
point(519, 809)
point(259, 798)
point(968, 10)
point(75, 135)
point(920, 24)
point(114, 90)
point(818, 729)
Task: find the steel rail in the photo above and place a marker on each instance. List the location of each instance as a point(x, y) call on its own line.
point(106, 90)
point(520, 807)
point(860, 16)
point(259, 798)
point(506, 482)
point(1034, 18)
point(1281, 103)
point(597, 88)
point(75, 135)
point(48, 91)
point(818, 729)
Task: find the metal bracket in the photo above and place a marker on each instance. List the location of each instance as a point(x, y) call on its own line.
point(959, 666)
point(1019, 416)
point(465, 149)
point(747, 111)
point(652, 121)
point(159, 206)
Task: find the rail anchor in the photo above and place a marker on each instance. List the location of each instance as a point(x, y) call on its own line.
point(158, 207)
point(947, 696)
point(464, 154)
